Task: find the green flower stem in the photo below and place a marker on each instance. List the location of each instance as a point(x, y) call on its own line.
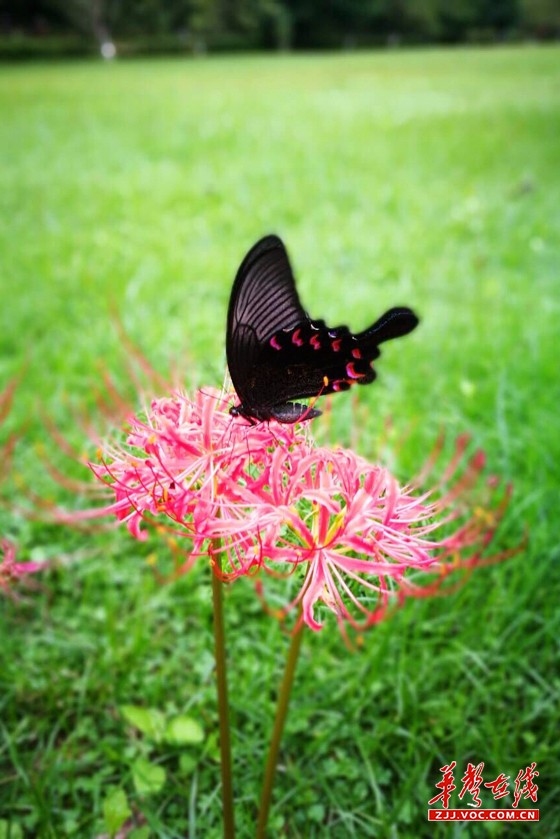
point(223, 706)
point(281, 711)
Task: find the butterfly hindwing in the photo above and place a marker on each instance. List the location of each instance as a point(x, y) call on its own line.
point(318, 359)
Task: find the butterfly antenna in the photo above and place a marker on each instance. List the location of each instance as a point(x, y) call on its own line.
point(227, 435)
point(277, 439)
point(226, 384)
point(216, 397)
point(219, 398)
point(311, 405)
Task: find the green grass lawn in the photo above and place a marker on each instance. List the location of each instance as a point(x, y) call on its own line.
point(429, 178)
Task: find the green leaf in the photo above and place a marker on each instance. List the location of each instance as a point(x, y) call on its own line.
point(182, 731)
point(212, 747)
point(140, 833)
point(187, 763)
point(10, 830)
point(148, 777)
point(115, 810)
point(316, 812)
point(406, 812)
point(149, 721)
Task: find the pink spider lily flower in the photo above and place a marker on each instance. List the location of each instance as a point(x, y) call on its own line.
point(344, 532)
point(10, 570)
point(190, 462)
point(359, 542)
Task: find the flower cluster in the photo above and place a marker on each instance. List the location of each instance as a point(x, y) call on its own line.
point(345, 534)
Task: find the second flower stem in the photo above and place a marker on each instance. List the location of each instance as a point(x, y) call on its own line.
point(223, 706)
point(281, 711)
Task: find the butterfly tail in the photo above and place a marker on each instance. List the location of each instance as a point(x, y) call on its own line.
point(393, 324)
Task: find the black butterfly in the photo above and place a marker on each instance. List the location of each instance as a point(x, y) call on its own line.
point(276, 353)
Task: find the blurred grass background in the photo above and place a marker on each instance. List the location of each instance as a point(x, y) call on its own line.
point(428, 178)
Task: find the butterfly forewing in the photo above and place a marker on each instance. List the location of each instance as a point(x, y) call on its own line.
point(263, 301)
point(264, 294)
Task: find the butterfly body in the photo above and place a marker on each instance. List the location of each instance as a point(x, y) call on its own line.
point(277, 354)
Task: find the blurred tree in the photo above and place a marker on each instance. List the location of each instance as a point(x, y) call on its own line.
point(332, 22)
point(411, 19)
point(424, 19)
point(261, 22)
point(541, 17)
point(88, 17)
point(456, 19)
point(282, 23)
point(141, 17)
point(498, 16)
point(201, 18)
point(31, 15)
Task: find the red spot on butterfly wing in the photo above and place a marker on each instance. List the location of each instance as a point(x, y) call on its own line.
point(296, 339)
point(274, 343)
point(351, 372)
point(340, 384)
point(335, 345)
point(356, 353)
point(315, 342)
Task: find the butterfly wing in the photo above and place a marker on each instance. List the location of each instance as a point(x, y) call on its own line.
point(263, 301)
point(276, 353)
